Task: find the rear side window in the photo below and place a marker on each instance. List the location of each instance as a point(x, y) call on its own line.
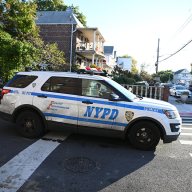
point(66, 85)
point(21, 81)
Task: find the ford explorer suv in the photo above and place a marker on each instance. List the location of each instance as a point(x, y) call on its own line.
point(38, 101)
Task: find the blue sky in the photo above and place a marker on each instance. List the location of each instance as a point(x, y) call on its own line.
point(134, 26)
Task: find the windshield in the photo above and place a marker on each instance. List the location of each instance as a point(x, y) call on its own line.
point(120, 88)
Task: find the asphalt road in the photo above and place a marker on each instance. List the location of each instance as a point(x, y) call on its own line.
point(77, 163)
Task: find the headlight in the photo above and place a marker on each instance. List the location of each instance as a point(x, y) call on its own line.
point(171, 114)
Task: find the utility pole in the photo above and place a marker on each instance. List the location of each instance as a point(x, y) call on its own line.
point(157, 62)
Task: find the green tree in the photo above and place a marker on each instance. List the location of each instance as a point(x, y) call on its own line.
point(145, 76)
point(15, 55)
point(18, 19)
point(165, 76)
point(50, 54)
point(58, 5)
point(123, 77)
point(50, 5)
point(21, 45)
point(134, 69)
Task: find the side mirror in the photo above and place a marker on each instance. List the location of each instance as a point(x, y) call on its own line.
point(114, 97)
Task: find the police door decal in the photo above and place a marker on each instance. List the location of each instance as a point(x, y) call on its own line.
point(101, 113)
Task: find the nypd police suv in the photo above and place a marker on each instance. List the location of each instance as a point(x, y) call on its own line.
point(40, 101)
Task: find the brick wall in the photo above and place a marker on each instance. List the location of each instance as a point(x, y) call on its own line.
point(60, 34)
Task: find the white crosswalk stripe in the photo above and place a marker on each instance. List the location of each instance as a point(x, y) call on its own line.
point(189, 134)
point(185, 142)
point(15, 172)
point(186, 135)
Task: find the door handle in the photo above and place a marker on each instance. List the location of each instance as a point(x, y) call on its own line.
point(87, 102)
point(42, 96)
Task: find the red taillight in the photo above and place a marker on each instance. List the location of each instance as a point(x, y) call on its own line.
point(4, 91)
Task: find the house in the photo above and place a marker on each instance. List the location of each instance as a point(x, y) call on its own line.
point(124, 63)
point(182, 76)
point(110, 58)
point(81, 45)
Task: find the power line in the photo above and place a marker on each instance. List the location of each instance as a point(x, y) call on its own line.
point(177, 51)
point(184, 25)
point(181, 28)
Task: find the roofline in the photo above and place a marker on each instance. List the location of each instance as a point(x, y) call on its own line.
point(92, 28)
point(56, 23)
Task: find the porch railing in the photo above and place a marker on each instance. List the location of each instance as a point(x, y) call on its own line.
point(160, 93)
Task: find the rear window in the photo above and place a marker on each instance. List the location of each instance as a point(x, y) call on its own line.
point(66, 85)
point(21, 81)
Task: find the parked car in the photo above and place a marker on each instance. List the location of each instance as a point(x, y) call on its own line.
point(142, 83)
point(169, 85)
point(178, 90)
point(190, 87)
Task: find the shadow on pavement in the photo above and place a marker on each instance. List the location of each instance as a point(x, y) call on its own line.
point(87, 163)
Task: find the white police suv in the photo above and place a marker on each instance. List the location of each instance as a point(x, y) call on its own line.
point(41, 100)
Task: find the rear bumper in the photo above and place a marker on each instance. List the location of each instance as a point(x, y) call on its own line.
point(6, 116)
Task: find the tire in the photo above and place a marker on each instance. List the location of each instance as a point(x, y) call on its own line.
point(29, 124)
point(144, 135)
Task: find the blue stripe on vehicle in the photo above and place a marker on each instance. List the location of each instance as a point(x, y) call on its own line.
point(85, 120)
point(100, 102)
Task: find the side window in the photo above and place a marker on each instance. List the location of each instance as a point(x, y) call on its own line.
point(21, 81)
point(93, 88)
point(66, 85)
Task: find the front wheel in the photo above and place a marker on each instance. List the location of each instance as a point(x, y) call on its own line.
point(29, 124)
point(144, 135)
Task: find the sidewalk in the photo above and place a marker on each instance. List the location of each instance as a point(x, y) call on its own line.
point(185, 110)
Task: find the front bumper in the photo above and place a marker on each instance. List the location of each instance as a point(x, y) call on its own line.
point(176, 129)
point(170, 138)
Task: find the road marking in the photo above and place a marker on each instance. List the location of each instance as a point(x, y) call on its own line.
point(186, 134)
point(186, 128)
point(190, 154)
point(16, 171)
point(185, 142)
point(187, 125)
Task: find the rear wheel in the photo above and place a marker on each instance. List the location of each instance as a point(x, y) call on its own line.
point(29, 124)
point(144, 135)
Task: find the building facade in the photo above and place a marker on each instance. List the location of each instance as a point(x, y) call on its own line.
point(81, 45)
point(110, 58)
point(182, 76)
